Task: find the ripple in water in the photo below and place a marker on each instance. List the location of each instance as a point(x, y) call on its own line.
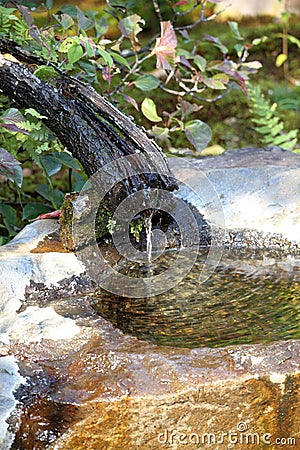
point(249, 299)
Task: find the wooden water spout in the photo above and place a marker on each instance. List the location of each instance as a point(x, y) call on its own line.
point(91, 128)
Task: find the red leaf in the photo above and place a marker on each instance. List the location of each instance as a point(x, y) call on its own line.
point(106, 74)
point(51, 215)
point(181, 3)
point(26, 15)
point(10, 167)
point(13, 128)
point(165, 46)
point(228, 68)
point(131, 101)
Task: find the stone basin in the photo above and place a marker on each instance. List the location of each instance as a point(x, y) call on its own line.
point(257, 189)
point(70, 380)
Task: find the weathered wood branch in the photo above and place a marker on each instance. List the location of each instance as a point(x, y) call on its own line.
point(90, 127)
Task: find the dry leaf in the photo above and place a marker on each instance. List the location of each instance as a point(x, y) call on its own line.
point(165, 47)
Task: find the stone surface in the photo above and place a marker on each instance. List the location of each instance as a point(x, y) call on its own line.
point(129, 394)
point(18, 267)
point(89, 386)
point(10, 380)
point(256, 189)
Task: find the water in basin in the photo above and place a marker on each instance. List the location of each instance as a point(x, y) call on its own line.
point(251, 297)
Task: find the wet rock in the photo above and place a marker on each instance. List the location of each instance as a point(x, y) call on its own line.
point(130, 394)
point(98, 388)
point(10, 380)
point(89, 386)
point(18, 269)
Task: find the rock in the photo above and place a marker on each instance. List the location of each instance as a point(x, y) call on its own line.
point(129, 394)
point(89, 386)
point(247, 189)
point(18, 268)
point(10, 380)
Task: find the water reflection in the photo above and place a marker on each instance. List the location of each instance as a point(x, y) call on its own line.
point(249, 299)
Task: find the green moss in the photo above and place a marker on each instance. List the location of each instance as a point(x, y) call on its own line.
point(65, 221)
point(103, 218)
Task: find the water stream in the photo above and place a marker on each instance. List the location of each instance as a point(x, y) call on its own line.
point(148, 227)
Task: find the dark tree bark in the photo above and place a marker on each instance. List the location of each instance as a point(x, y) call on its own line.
point(90, 127)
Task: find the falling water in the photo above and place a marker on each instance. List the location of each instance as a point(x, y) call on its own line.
point(148, 228)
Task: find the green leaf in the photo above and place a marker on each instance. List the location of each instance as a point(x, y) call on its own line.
point(147, 82)
point(75, 52)
point(9, 215)
point(217, 43)
point(53, 195)
point(65, 45)
point(78, 181)
point(292, 134)
point(66, 159)
point(239, 48)
point(57, 198)
point(252, 66)
point(32, 112)
point(131, 25)
point(32, 210)
point(198, 133)
point(130, 100)
point(12, 115)
point(107, 57)
point(293, 40)
point(281, 59)
point(200, 62)
point(120, 59)
point(45, 73)
point(234, 27)
point(280, 139)
point(149, 110)
point(70, 10)
point(160, 133)
point(90, 48)
point(50, 164)
point(4, 240)
point(66, 21)
point(49, 4)
point(214, 83)
point(101, 26)
point(258, 41)
point(84, 23)
point(44, 190)
point(291, 145)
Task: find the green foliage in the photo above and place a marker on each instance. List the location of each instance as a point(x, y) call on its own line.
point(287, 98)
point(267, 122)
point(9, 221)
point(11, 26)
point(24, 137)
point(123, 66)
point(156, 70)
point(136, 228)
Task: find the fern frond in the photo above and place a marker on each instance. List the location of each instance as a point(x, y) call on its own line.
point(264, 116)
